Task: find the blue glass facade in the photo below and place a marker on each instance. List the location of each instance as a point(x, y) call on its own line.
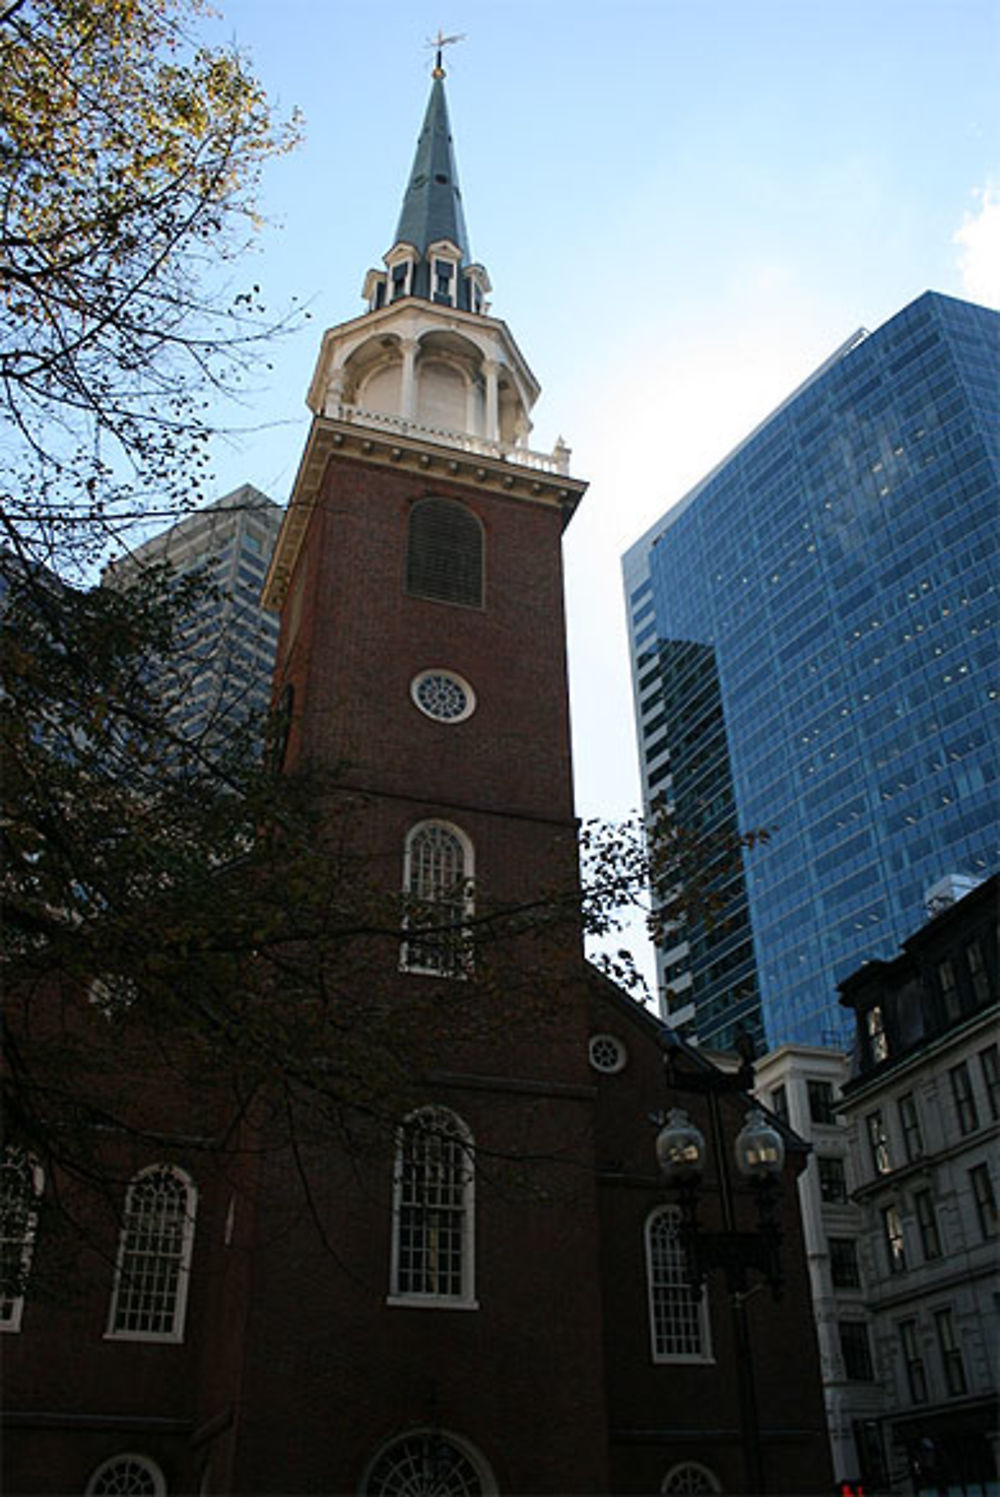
point(840, 571)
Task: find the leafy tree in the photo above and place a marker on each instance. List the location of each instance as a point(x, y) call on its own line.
point(164, 908)
point(130, 158)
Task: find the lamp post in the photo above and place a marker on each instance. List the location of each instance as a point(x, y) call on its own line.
point(759, 1152)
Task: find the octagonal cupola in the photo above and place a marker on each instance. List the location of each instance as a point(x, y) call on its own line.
point(427, 358)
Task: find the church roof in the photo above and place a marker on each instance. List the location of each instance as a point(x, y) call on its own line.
point(432, 203)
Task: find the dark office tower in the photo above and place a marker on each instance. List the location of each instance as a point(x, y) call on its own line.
point(838, 574)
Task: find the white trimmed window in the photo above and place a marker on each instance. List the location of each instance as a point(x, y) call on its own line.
point(437, 884)
point(127, 1476)
point(690, 1476)
point(21, 1183)
point(678, 1322)
point(400, 267)
point(607, 1053)
point(428, 1463)
point(154, 1257)
point(433, 1212)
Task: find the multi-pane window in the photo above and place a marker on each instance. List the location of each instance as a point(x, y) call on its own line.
point(951, 1353)
point(915, 1374)
point(690, 1478)
point(779, 1103)
point(948, 987)
point(821, 1107)
point(678, 1322)
point(20, 1190)
point(878, 1143)
point(844, 1263)
point(979, 976)
point(832, 1179)
point(424, 1463)
point(444, 553)
point(986, 1204)
point(930, 1240)
point(878, 1043)
point(892, 1232)
point(437, 881)
point(909, 1122)
point(989, 1061)
point(965, 1102)
point(433, 1209)
point(154, 1257)
point(856, 1351)
point(127, 1476)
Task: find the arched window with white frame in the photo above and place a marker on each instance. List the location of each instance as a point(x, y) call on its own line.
point(127, 1475)
point(428, 1463)
point(678, 1322)
point(21, 1184)
point(438, 893)
point(433, 1212)
point(154, 1257)
point(690, 1477)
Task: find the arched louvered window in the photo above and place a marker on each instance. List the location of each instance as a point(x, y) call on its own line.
point(127, 1476)
point(428, 1463)
point(437, 883)
point(154, 1257)
point(433, 1210)
point(444, 553)
point(21, 1182)
point(678, 1323)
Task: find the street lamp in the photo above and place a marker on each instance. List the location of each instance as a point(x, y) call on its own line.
point(759, 1155)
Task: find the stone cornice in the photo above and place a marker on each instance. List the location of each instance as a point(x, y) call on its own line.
point(389, 449)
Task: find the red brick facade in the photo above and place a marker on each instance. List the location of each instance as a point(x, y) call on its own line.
point(295, 1369)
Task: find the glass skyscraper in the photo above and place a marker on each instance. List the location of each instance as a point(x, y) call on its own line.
point(221, 674)
point(814, 651)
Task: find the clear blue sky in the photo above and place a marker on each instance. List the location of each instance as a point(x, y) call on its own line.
point(683, 207)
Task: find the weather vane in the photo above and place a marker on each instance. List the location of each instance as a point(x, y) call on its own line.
point(439, 43)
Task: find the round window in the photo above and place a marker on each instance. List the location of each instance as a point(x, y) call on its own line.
point(443, 696)
point(607, 1053)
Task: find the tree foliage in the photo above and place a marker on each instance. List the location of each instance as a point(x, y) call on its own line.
point(130, 158)
point(165, 908)
point(201, 903)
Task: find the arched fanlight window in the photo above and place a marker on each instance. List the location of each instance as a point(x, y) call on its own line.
point(678, 1323)
point(21, 1183)
point(437, 884)
point(444, 553)
point(690, 1477)
point(428, 1463)
point(433, 1216)
point(127, 1476)
point(154, 1257)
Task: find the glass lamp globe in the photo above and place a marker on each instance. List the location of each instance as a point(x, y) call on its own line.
point(680, 1148)
point(759, 1148)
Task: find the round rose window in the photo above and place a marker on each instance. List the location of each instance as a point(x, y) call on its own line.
point(443, 695)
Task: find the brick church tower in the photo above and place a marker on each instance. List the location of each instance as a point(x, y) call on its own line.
point(455, 1271)
point(422, 670)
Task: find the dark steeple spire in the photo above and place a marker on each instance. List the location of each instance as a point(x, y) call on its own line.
point(432, 206)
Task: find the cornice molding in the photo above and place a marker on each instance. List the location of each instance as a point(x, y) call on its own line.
point(373, 447)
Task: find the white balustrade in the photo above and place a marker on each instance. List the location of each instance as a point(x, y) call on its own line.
point(544, 462)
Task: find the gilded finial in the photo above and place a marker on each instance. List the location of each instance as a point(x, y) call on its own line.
point(439, 43)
